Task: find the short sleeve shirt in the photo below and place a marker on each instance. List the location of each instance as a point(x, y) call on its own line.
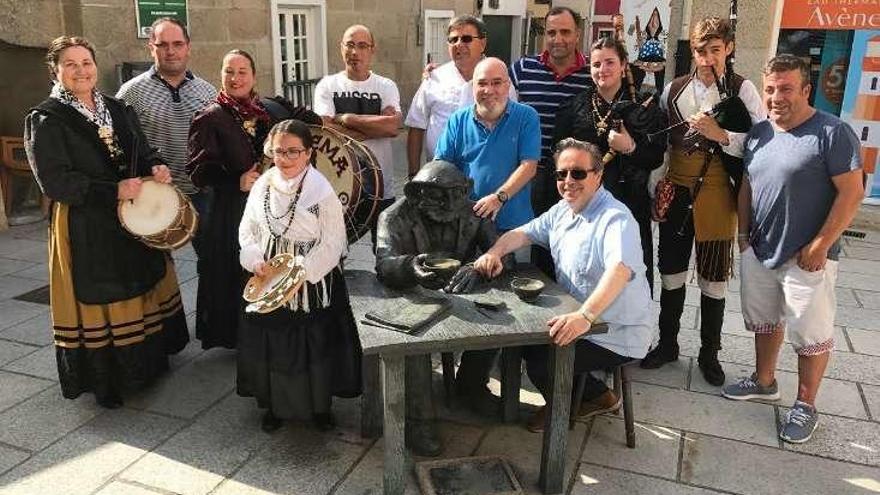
point(489, 156)
point(436, 99)
point(586, 244)
point(337, 94)
point(790, 176)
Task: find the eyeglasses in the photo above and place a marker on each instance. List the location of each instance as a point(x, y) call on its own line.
point(357, 46)
point(576, 174)
point(465, 38)
point(289, 153)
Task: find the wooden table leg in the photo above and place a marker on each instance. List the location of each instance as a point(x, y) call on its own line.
point(393, 373)
point(371, 399)
point(511, 376)
point(561, 361)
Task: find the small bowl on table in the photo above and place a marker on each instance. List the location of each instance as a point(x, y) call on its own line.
point(444, 268)
point(527, 289)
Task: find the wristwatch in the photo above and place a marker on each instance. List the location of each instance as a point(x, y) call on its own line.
point(589, 316)
point(502, 196)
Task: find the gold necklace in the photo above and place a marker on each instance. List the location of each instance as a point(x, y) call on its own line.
point(601, 121)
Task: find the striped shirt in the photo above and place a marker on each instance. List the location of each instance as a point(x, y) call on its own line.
point(165, 113)
point(541, 88)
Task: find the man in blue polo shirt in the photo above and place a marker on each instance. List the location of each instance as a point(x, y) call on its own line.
point(497, 143)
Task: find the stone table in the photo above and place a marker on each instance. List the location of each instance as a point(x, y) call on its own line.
point(461, 328)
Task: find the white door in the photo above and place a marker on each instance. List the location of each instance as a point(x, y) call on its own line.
point(435, 35)
point(300, 60)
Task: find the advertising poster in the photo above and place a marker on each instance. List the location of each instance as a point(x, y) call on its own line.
point(150, 10)
point(861, 104)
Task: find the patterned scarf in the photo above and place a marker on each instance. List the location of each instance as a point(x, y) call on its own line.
point(250, 109)
point(100, 118)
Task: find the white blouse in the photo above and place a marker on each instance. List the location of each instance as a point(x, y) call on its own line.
point(317, 231)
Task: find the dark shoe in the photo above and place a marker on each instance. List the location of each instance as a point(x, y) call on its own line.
point(659, 356)
point(535, 423)
point(270, 423)
point(422, 438)
point(109, 402)
point(482, 401)
point(324, 421)
point(710, 367)
point(605, 403)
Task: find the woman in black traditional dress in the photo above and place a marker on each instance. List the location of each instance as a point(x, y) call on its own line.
point(115, 305)
point(226, 154)
point(588, 116)
point(295, 358)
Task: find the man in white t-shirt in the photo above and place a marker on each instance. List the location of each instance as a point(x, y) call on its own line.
point(363, 105)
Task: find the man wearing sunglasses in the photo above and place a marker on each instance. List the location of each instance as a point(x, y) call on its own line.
point(363, 105)
point(594, 241)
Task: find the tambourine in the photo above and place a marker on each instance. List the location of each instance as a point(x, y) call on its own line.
point(277, 287)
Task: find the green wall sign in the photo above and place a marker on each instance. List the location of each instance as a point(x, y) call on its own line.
point(150, 10)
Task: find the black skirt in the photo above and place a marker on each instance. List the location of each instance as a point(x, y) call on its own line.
point(293, 362)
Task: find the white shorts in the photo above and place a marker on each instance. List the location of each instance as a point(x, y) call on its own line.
point(790, 296)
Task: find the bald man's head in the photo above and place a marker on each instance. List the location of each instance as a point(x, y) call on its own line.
point(357, 50)
point(491, 84)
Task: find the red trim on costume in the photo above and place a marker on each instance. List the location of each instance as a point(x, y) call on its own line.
point(816, 349)
point(764, 328)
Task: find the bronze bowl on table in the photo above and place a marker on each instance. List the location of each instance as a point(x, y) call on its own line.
point(527, 289)
point(443, 267)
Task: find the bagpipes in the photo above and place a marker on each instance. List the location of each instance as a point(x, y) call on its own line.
point(641, 113)
point(730, 113)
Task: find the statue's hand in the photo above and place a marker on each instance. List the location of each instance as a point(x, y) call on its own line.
point(423, 277)
point(464, 280)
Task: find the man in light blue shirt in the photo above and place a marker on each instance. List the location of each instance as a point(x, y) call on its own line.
point(497, 143)
point(595, 244)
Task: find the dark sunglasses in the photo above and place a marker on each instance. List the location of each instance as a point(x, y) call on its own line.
point(576, 174)
point(465, 38)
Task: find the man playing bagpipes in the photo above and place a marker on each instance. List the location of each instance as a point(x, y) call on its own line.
point(709, 111)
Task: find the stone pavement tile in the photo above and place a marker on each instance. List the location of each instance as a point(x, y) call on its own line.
point(674, 375)
point(35, 331)
point(596, 480)
point(10, 457)
point(656, 451)
point(522, 449)
point(843, 439)
point(41, 364)
point(366, 477)
point(863, 252)
point(860, 280)
point(122, 488)
point(44, 418)
point(38, 271)
point(191, 388)
point(17, 388)
point(864, 341)
point(361, 252)
point(358, 264)
point(192, 350)
point(835, 396)
point(867, 319)
point(845, 297)
point(858, 265)
point(12, 312)
point(185, 269)
point(185, 253)
point(88, 458)
point(853, 367)
point(872, 397)
point(24, 250)
point(12, 286)
point(188, 293)
point(868, 298)
point(10, 351)
point(8, 266)
point(751, 469)
point(198, 458)
point(735, 349)
point(299, 460)
point(691, 411)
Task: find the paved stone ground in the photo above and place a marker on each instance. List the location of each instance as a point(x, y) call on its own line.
point(191, 434)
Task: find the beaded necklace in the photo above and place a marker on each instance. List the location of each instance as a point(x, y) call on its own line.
point(291, 208)
point(601, 121)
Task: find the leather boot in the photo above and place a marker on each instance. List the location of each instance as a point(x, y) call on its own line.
point(671, 308)
point(711, 319)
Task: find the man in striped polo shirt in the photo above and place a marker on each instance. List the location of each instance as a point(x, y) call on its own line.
point(543, 82)
point(165, 98)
